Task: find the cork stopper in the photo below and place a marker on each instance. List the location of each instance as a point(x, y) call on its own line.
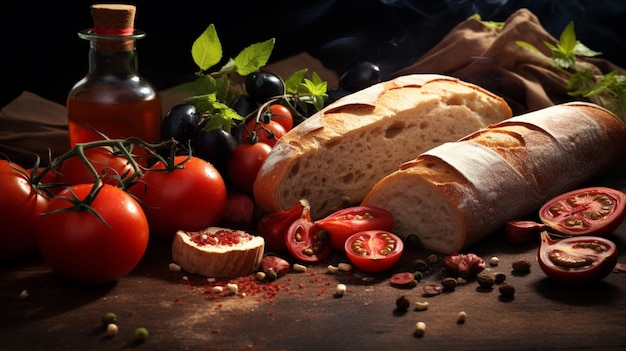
point(114, 20)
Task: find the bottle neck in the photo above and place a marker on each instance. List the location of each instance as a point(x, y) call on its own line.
point(112, 62)
point(112, 54)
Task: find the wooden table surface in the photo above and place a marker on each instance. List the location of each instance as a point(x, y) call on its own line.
point(300, 312)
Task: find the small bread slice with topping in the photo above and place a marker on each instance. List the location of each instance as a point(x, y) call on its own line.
point(218, 252)
point(333, 158)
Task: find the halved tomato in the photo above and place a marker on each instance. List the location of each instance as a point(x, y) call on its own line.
point(345, 222)
point(588, 211)
point(374, 250)
point(304, 239)
point(577, 260)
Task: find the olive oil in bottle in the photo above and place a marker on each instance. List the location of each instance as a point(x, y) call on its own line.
point(113, 99)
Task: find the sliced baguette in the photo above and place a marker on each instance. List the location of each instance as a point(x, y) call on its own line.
point(458, 193)
point(334, 157)
point(218, 252)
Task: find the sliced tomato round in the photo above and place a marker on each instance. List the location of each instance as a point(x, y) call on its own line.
point(345, 222)
point(305, 241)
point(374, 250)
point(587, 211)
point(577, 260)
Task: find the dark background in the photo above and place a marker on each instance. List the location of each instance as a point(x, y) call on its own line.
point(41, 52)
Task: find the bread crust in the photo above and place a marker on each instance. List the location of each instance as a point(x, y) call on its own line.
point(333, 158)
point(218, 260)
point(502, 172)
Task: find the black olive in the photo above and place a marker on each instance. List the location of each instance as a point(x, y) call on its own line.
point(262, 86)
point(360, 76)
point(215, 146)
point(244, 105)
point(179, 123)
point(334, 95)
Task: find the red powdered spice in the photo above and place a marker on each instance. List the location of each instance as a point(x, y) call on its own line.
point(220, 237)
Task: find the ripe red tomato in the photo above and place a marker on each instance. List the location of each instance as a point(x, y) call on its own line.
point(282, 115)
point(109, 166)
point(190, 197)
point(273, 226)
point(345, 222)
point(304, 240)
point(595, 210)
point(268, 133)
point(577, 260)
point(374, 250)
point(239, 210)
point(245, 163)
point(83, 248)
point(20, 206)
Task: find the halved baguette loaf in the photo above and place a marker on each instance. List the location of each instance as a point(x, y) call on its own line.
point(218, 252)
point(333, 158)
point(456, 194)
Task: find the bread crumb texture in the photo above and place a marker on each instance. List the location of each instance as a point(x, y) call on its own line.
point(357, 146)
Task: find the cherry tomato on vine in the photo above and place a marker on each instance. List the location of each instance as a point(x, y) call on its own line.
point(245, 163)
point(274, 226)
point(192, 196)
point(282, 115)
point(304, 240)
point(267, 133)
point(86, 248)
point(374, 250)
point(109, 165)
point(20, 206)
point(577, 260)
point(345, 222)
point(594, 210)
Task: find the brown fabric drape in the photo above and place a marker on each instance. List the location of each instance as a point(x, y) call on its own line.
point(491, 58)
point(31, 124)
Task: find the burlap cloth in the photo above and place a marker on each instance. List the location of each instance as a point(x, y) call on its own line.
point(471, 51)
point(490, 58)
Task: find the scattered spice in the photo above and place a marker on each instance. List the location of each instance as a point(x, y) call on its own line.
point(460, 319)
point(449, 283)
point(141, 334)
point(112, 330)
point(109, 318)
point(507, 290)
point(220, 237)
point(173, 267)
point(500, 278)
point(432, 289)
point(24, 294)
point(485, 280)
point(346, 267)
point(494, 261)
point(340, 290)
point(421, 305)
point(297, 267)
point(403, 303)
point(420, 329)
point(521, 267)
point(420, 265)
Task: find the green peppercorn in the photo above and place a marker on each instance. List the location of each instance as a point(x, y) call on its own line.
point(141, 334)
point(109, 318)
